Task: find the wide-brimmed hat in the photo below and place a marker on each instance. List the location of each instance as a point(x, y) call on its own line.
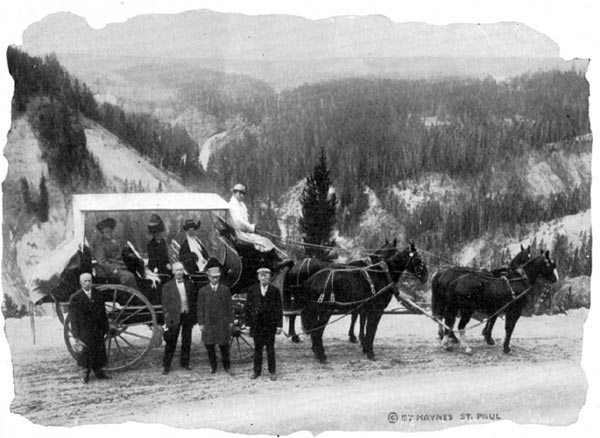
point(109, 222)
point(190, 223)
point(213, 267)
point(155, 224)
point(239, 188)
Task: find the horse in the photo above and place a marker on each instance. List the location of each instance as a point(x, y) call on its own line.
point(441, 281)
point(475, 292)
point(370, 288)
point(293, 284)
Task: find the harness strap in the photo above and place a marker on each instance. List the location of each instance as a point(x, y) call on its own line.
point(512, 292)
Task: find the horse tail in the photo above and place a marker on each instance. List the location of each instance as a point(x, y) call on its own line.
point(437, 295)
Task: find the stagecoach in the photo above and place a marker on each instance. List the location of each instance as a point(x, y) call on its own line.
point(135, 316)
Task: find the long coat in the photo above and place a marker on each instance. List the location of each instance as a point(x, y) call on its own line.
point(89, 324)
point(263, 314)
point(171, 302)
point(215, 313)
point(189, 258)
point(158, 256)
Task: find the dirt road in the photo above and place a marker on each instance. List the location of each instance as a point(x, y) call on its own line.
point(413, 384)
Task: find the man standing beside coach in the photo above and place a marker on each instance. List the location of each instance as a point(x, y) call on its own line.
point(179, 302)
point(264, 316)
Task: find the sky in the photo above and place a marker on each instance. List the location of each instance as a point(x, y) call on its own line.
point(572, 24)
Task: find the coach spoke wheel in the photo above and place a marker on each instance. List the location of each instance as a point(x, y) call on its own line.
point(241, 347)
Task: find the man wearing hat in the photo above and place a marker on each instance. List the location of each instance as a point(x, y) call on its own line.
point(108, 254)
point(264, 316)
point(246, 232)
point(89, 325)
point(179, 310)
point(158, 254)
point(215, 316)
point(192, 252)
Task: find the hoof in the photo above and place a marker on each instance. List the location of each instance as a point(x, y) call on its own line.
point(353, 339)
point(296, 339)
point(371, 355)
point(322, 359)
point(506, 350)
point(490, 341)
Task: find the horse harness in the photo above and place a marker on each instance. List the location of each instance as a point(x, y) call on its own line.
point(364, 271)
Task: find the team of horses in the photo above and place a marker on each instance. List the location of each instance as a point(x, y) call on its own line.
point(364, 288)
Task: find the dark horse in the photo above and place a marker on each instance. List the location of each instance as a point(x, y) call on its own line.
point(475, 292)
point(370, 288)
point(441, 280)
point(294, 279)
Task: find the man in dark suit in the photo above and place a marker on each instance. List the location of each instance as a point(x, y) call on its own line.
point(192, 252)
point(89, 325)
point(179, 302)
point(264, 316)
point(215, 316)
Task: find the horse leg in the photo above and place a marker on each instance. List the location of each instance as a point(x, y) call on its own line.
point(292, 329)
point(509, 326)
point(372, 323)
point(351, 329)
point(449, 319)
point(318, 336)
point(462, 340)
point(362, 325)
point(487, 330)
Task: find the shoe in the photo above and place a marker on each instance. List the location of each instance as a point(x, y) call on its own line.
point(213, 370)
point(273, 376)
point(187, 367)
point(254, 376)
point(102, 376)
point(228, 371)
point(165, 371)
point(85, 378)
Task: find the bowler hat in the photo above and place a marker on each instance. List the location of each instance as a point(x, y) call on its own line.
point(109, 222)
point(155, 225)
point(239, 188)
point(190, 223)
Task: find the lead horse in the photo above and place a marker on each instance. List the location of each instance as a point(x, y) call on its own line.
point(475, 292)
point(369, 288)
point(440, 283)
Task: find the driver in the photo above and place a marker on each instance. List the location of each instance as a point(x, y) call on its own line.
point(108, 254)
point(246, 232)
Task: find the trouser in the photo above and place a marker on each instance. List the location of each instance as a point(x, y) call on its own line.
point(93, 356)
point(212, 356)
point(186, 325)
point(261, 341)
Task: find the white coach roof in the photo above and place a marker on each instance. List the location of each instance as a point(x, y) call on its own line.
point(140, 202)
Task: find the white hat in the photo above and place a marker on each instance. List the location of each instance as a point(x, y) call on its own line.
point(239, 188)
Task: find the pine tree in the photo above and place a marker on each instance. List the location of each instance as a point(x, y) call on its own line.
point(44, 204)
point(318, 211)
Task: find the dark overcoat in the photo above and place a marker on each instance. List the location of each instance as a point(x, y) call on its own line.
point(263, 314)
point(189, 258)
point(215, 313)
point(171, 302)
point(89, 324)
point(158, 256)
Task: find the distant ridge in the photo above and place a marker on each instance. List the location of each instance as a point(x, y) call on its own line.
point(208, 34)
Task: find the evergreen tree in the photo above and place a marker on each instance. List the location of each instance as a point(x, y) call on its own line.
point(318, 211)
point(44, 204)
